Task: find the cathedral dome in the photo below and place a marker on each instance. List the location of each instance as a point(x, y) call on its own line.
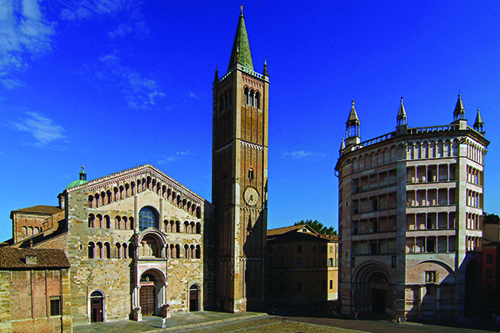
point(82, 180)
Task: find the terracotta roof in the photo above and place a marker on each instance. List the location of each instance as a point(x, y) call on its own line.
point(40, 209)
point(279, 231)
point(37, 258)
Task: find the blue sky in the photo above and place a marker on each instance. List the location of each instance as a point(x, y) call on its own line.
point(116, 84)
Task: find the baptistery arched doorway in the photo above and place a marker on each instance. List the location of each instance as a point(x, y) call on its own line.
point(373, 289)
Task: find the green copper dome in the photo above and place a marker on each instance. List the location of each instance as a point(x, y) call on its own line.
point(82, 180)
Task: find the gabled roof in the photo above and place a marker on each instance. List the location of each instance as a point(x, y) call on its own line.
point(40, 209)
point(284, 230)
point(142, 169)
point(33, 258)
point(241, 47)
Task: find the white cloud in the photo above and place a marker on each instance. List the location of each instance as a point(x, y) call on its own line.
point(174, 157)
point(24, 33)
point(193, 95)
point(43, 129)
point(184, 153)
point(140, 92)
point(11, 83)
point(300, 154)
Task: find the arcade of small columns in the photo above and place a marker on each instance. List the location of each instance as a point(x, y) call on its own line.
point(106, 195)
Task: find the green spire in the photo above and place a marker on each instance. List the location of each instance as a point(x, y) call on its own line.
point(241, 48)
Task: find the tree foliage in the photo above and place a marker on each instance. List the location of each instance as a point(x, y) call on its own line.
point(491, 218)
point(318, 227)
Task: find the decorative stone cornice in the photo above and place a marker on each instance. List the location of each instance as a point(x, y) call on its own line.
point(252, 145)
point(224, 147)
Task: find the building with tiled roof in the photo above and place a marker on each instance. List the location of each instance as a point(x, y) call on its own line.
point(34, 290)
point(302, 267)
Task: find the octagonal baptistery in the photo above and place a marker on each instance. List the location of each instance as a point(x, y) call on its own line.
point(137, 239)
point(410, 216)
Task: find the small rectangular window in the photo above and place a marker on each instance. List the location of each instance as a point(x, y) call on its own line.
point(489, 257)
point(330, 262)
point(489, 272)
point(299, 262)
point(299, 248)
point(323, 249)
point(55, 306)
point(430, 276)
point(331, 284)
point(314, 249)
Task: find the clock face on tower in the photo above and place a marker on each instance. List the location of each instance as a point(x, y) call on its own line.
point(251, 196)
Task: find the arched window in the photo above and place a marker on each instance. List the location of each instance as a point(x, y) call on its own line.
point(198, 228)
point(107, 222)
point(91, 250)
point(198, 252)
point(147, 218)
point(118, 250)
point(257, 100)
point(24, 230)
point(246, 95)
point(186, 252)
point(250, 173)
point(91, 220)
point(250, 98)
point(107, 249)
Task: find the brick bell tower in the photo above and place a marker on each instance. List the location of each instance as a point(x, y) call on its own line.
point(239, 179)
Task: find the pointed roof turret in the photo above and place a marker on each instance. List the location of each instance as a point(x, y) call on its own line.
point(353, 116)
point(265, 67)
point(479, 123)
point(401, 111)
point(479, 119)
point(352, 125)
point(241, 47)
point(459, 112)
point(216, 79)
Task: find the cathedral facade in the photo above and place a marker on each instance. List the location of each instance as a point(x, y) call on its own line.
point(410, 218)
point(138, 239)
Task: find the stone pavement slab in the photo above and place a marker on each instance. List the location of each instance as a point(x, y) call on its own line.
point(251, 322)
